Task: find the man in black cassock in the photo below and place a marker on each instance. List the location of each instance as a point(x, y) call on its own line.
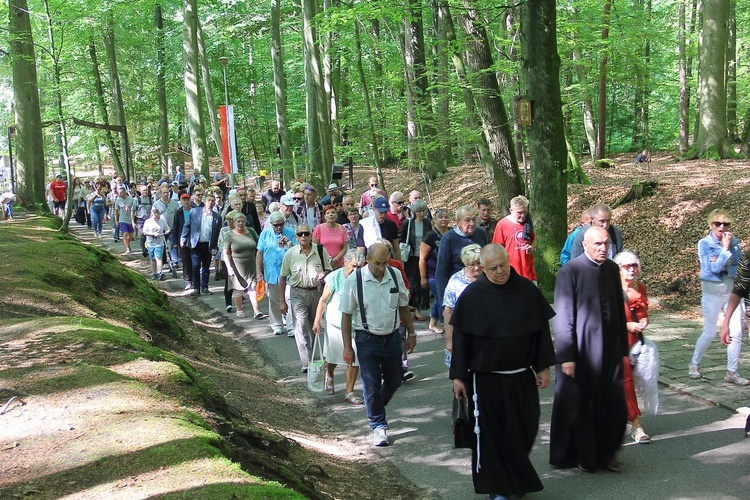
point(589, 412)
point(502, 352)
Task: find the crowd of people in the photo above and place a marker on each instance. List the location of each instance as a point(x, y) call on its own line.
point(360, 274)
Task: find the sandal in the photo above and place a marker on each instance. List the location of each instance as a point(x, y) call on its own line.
point(418, 317)
point(693, 372)
point(330, 389)
point(735, 378)
point(640, 436)
point(240, 314)
point(353, 398)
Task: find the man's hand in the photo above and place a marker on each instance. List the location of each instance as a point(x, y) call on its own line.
point(542, 378)
point(282, 305)
point(569, 369)
point(411, 343)
point(459, 388)
point(348, 355)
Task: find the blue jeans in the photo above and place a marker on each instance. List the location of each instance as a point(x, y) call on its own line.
point(96, 220)
point(436, 311)
point(380, 368)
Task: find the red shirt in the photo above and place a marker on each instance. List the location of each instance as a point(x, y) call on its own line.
point(59, 189)
point(510, 235)
point(398, 219)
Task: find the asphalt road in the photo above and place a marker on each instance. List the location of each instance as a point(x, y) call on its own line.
point(698, 450)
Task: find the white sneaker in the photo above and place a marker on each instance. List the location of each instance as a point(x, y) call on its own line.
point(379, 437)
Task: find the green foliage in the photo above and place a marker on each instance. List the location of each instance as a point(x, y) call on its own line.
point(605, 163)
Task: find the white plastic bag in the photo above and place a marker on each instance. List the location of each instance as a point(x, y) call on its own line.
point(316, 368)
point(646, 378)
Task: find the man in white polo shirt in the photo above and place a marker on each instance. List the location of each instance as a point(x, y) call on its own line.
point(371, 302)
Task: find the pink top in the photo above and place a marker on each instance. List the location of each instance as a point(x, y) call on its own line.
point(332, 239)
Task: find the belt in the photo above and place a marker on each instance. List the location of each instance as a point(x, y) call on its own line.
point(306, 287)
point(511, 372)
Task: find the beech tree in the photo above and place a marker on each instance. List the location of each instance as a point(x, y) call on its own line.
point(29, 141)
point(548, 194)
point(712, 139)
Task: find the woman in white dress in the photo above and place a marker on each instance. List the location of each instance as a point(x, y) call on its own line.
point(333, 340)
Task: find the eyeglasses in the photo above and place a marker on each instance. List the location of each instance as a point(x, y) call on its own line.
point(297, 199)
point(398, 202)
point(718, 223)
point(373, 185)
point(197, 194)
point(280, 224)
point(630, 266)
point(304, 233)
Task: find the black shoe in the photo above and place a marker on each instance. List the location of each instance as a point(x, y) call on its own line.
point(195, 292)
point(304, 369)
point(206, 291)
point(408, 375)
point(615, 465)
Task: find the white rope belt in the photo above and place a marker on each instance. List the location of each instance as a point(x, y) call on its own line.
point(475, 397)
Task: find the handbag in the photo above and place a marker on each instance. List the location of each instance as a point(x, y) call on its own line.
point(405, 248)
point(316, 368)
point(461, 426)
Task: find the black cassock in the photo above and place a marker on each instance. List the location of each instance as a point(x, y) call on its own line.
point(502, 328)
point(589, 412)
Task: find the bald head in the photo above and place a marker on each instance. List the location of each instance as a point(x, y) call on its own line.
point(377, 260)
point(596, 243)
point(495, 263)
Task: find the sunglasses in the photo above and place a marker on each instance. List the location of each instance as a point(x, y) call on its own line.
point(197, 194)
point(280, 224)
point(304, 233)
point(398, 202)
point(297, 199)
point(630, 266)
point(725, 224)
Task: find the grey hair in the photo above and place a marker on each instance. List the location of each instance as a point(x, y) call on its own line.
point(354, 256)
point(418, 206)
point(465, 209)
point(627, 255)
point(395, 195)
point(470, 253)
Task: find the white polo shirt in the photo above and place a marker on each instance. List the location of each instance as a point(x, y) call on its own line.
point(381, 298)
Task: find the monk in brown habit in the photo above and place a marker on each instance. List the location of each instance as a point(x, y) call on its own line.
point(502, 352)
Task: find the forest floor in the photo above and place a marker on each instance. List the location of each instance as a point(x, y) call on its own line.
point(118, 394)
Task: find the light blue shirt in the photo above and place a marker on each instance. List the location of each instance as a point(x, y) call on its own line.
point(273, 254)
point(717, 263)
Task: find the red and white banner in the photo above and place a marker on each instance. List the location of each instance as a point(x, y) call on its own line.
point(229, 151)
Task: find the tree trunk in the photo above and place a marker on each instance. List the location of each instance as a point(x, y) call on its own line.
point(102, 103)
point(279, 81)
point(441, 81)
point(366, 99)
point(495, 123)
point(161, 90)
point(712, 140)
point(430, 158)
point(731, 70)
point(540, 63)
point(331, 95)
point(684, 133)
point(601, 150)
point(29, 137)
point(319, 141)
point(213, 110)
point(472, 120)
point(118, 108)
point(589, 126)
point(412, 154)
point(195, 125)
point(62, 132)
